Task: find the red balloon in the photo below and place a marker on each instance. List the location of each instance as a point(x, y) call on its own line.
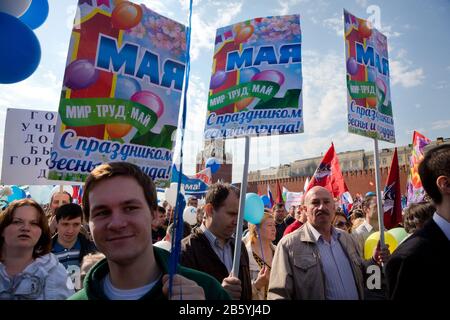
point(365, 29)
point(371, 101)
point(118, 130)
point(244, 34)
point(126, 15)
point(238, 27)
point(242, 104)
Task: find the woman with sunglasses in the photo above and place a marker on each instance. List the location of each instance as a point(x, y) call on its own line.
point(340, 221)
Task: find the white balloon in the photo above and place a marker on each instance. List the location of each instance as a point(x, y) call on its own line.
point(15, 8)
point(190, 215)
point(171, 194)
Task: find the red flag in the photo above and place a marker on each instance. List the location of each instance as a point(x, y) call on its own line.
point(279, 194)
point(392, 205)
point(329, 175)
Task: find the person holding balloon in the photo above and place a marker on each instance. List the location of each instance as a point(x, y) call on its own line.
point(260, 253)
point(419, 269)
point(319, 261)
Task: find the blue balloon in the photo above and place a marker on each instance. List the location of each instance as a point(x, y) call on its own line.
point(266, 201)
point(36, 14)
point(16, 194)
point(254, 208)
point(126, 87)
point(213, 164)
point(20, 53)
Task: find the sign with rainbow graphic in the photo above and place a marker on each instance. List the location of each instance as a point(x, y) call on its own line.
point(368, 88)
point(256, 82)
point(121, 94)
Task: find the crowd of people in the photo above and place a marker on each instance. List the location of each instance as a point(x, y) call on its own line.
point(116, 245)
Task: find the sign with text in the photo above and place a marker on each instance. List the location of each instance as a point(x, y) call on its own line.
point(256, 82)
point(26, 147)
point(368, 85)
point(121, 94)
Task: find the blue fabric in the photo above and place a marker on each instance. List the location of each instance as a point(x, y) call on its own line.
point(181, 203)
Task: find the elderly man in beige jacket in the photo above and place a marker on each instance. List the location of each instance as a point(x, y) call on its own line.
point(318, 261)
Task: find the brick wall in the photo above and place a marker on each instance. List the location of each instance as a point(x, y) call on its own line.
point(361, 181)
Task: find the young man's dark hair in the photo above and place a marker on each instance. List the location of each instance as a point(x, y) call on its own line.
point(435, 163)
point(69, 211)
point(161, 209)
point(218, 192)
point(115, 169)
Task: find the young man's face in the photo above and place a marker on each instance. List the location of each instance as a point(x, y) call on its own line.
point(224, 219)
point(68, 229)
point(279, 213)
point(120, 219)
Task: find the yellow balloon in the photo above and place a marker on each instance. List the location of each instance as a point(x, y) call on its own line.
point(372, 241)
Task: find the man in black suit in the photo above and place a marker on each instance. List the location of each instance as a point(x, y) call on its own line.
point(420, 267)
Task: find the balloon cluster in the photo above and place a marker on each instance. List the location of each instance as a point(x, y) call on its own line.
point(21, 51)
point(247, 75)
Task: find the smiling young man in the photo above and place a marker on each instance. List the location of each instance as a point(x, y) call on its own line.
point(120, 203)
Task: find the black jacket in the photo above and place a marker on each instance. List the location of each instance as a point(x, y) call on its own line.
point(420, 267)
point(196, 253)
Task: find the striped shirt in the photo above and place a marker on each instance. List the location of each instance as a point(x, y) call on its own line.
point(339, 280)
point(68, 257)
